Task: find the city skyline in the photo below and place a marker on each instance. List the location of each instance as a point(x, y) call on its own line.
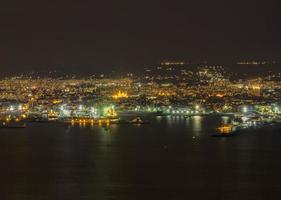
point(140, 100)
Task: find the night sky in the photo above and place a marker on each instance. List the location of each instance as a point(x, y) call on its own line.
point(92, 36)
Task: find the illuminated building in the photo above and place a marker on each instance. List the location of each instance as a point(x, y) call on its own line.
point(120, 95)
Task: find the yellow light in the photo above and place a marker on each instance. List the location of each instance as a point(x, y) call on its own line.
point(56, 101)
point(220, 95)
point(225, 129)
point(165, 94)
point(256, 87)
point(120, 95)
point(110, 112)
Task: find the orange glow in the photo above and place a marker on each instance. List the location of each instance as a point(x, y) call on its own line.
point(111, 113)
point(256, 87)
point(165, 94)
point(120, 95)
point(220, 95)
point(225, 129)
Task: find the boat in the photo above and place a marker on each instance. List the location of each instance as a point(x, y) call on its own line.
point(138, 120)
point(225, 130)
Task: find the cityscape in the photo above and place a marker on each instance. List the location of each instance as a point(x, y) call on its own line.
point(167, 89)
point(140, 100)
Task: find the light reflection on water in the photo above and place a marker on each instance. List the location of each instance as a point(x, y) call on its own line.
point(58, 161)
point(196, 122)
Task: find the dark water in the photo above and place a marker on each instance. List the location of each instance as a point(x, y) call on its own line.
point(168, 159)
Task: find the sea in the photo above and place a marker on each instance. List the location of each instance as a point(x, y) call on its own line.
point(172, 158)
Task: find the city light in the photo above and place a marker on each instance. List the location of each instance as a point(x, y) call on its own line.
point(120, 95)
point(245, 109)
point(171, 91)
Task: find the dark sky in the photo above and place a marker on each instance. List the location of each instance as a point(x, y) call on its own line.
point(89, 35)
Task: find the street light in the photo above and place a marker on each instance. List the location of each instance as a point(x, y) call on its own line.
point(245, 109)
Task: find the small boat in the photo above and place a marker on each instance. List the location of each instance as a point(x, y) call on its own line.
point(226, 130)
point(138, 120)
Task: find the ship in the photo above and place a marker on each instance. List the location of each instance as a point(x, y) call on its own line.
point(137, 121)
point(225, 130)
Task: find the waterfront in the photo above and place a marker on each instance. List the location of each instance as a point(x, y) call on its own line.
point(171, 158)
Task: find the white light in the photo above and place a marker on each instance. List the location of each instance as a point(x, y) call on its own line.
point(245, 109)
point(244, 119)
point(61, 108)
point(80, 107)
